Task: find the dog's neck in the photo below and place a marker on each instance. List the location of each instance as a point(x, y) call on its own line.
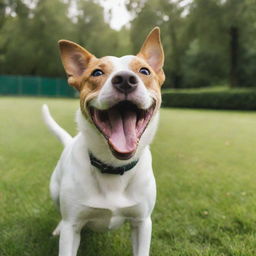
point(98, 146)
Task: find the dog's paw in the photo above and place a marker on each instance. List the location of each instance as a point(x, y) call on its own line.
point(56, 231)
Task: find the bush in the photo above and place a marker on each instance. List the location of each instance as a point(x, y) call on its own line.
point(239, 99)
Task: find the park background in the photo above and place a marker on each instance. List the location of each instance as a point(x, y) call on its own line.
point(203, 154)
point(208, 44)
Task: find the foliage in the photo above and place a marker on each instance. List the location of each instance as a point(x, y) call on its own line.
point(93, 32)
point(197, 39)
point(167, 15)
point(206, 42)
point(240, 99)
point(205, 201)
point(28, 36)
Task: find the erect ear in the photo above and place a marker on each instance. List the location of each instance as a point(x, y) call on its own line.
point(75, 60)
point(152, 50)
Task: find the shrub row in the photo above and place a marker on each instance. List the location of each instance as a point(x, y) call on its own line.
point(226, 99)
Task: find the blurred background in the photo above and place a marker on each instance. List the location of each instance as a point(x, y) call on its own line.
point(208, 44)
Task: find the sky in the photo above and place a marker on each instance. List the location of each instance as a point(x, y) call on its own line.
point(120, 15)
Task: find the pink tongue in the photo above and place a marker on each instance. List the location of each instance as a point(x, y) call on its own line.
point(123, 136)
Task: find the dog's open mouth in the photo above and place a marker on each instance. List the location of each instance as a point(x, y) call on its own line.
point(122, 125)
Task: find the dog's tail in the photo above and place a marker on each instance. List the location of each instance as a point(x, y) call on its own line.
point(59, 132)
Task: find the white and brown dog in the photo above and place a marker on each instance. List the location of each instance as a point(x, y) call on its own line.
point(104, 176)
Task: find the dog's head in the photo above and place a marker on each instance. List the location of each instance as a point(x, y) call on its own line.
point(119, 96)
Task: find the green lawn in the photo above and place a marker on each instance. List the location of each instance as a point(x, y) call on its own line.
point(205, 167)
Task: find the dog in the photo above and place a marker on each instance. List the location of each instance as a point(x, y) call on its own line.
point(104, 176)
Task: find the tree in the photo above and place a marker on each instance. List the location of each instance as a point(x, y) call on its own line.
point(205, 61)
point(28, 36)
point(223, 30)
point(167, 15)
point(239, 19)
point(93, 32)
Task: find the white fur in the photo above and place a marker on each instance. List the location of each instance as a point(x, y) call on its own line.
point(86, 197)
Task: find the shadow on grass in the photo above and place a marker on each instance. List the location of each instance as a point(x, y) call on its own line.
point(31, 236)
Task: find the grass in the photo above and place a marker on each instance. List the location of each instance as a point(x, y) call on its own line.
point(205, 167)
point(209, 89)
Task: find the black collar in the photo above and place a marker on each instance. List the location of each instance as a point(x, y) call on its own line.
point(104, 168)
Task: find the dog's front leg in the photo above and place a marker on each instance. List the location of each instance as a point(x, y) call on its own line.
point(141, 236)
point(69, 239)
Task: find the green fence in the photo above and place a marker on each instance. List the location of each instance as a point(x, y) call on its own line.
point(35, 86)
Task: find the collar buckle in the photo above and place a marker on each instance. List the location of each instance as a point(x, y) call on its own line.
point(104, 169)
point(122, 170)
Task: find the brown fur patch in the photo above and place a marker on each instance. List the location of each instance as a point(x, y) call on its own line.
point(90, 85)
point(153, 82)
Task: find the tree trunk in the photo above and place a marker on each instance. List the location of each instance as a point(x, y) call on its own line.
point(234, 47)
point(176, 58)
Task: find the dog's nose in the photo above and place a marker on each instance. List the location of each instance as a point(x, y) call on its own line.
point(125, 82)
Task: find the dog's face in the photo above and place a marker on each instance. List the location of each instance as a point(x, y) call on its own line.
point(118, 95)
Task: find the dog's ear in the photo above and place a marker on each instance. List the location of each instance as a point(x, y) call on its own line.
point(75, 60)
point(152, 50)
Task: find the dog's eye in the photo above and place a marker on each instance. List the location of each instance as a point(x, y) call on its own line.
point(97, 72)
point(144, 71)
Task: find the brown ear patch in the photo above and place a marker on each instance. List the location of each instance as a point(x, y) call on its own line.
point(81, 63)
point(152, 50)
point(75, 60)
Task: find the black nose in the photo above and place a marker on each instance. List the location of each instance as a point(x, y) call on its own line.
point(125, 82)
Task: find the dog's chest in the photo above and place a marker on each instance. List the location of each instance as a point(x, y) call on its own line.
point(110, 204)
point(109, 212)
